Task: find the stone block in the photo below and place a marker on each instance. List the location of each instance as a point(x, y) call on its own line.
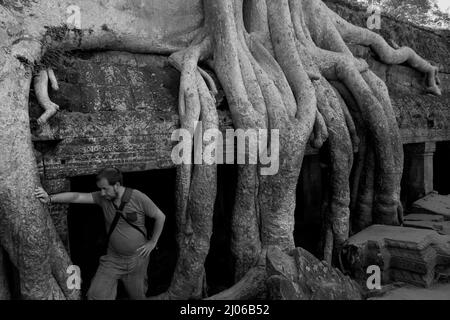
point(136, 77)
point(445, 82)
point(399, 76)
point(85, 70)
point(56, 185)
point(433, 203)
point(114, 75)
point(406, 254)
point(91, 98)
point(73, 77)
point(115, 57)
point(423, 217)
point(68, 97)
point(359, 50)
point(441, 227)
point(143, 98)
point(117, 98)
point(380, 69)
point(144, 60)
point(419, 280)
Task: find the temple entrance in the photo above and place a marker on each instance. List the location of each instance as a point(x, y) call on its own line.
point(310, 195)
point(441, 172)
point(219, 263)
point(86, 228)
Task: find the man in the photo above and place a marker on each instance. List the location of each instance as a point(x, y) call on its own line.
point(128, 248)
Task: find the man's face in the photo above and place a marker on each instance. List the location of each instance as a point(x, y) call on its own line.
point(109, 192)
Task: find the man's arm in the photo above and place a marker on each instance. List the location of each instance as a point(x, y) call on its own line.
point(160, 218)
point(65, 197)
point(152, 211)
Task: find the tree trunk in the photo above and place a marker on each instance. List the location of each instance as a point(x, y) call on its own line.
point(26, 233)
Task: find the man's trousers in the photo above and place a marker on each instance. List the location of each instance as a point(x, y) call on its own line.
point(132, 271)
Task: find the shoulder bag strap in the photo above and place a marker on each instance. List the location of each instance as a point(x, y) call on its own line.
point(125, 198)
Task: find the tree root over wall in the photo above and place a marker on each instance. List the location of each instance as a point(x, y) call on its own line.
point(283, 65)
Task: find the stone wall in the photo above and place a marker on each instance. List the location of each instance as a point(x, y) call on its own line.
point(116, 108)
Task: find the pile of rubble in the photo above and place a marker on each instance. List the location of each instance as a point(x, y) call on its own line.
point(431, 212)
point(417, 253)
point(412, 262)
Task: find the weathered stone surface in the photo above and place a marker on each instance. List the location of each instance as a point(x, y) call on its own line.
point(403, 254)
point(301, 276)
point(428, 221)
point(433, 203)
point(116, 95)
point(442, 227)
point(116, 109)
point(281, 288)
point(423, 217)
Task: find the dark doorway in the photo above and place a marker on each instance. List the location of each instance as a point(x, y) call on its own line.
point(308, 221)
point(219, 262)
point(86, 227)
point(441, 167)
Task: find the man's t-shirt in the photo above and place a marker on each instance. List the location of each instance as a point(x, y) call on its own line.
point(125, 239)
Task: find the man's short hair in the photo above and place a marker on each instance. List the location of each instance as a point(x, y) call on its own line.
point(112, 175)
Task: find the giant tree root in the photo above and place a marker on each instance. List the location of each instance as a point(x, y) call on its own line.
point(251, 285)
point(386, 53)
point(362, 183)
point(196, 184)
point(274, 60)
point(266, 75)
point(294, 276)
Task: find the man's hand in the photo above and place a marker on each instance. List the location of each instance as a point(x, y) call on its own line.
point(41, 195)
point(146, 249)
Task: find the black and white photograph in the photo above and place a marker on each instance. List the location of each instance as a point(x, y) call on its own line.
point(224, 154)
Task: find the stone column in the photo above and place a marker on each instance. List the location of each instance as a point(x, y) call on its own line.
point(419, 169)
